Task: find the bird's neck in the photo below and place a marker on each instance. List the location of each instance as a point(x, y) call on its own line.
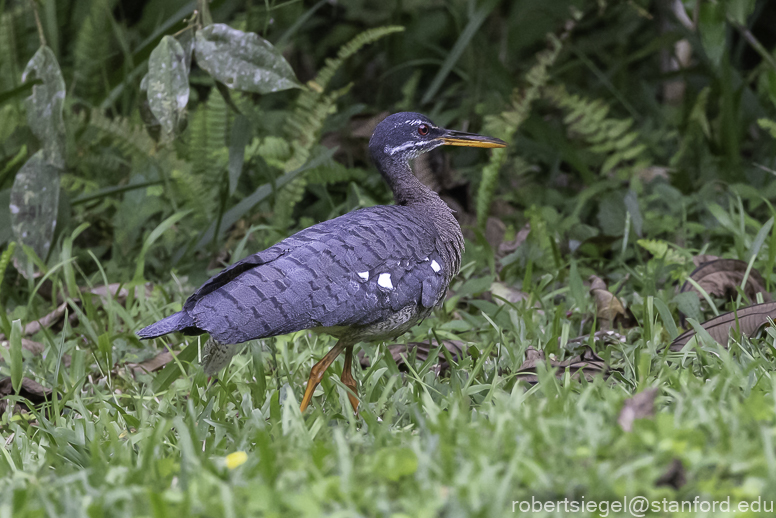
point(411, 192)
point(406, 188)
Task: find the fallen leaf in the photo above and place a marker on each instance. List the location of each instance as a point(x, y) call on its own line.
point(401, 352)
point(44, 322)
point(698, 260)
point(502, 292)
point(722, 277)
point(640, 406)
point(749, 320)
point(507, 247)
point(589, 364)
point(118, 292)
point(603, 337)
point(31, 390)
point(609, 310)
point(35, 348)
point(151, 365)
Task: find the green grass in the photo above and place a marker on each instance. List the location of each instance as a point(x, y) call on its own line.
point(615, 178)
point(468, 444)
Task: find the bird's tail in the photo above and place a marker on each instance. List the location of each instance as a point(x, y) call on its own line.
point(177, 322)
point(216, 355)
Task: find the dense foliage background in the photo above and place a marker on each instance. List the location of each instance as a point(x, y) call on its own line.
point(642, 145)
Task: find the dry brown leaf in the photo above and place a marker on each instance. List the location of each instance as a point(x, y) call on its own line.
point(35, 348)
point(117, 291)
point(400, 352)
point(698, 260)
point(721, 278)
point(46, 321)
point(501, 292)
point(648, 174)
point(674, 475)
point(609, 310)
point(31, 390)
point(749, 320)
point(494, 233)
point(151, 365)
point(588, 363)
point(508, 247)
point(640, 406)
point(606, 337)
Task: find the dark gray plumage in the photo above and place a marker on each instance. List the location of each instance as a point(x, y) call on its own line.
point(370, 274)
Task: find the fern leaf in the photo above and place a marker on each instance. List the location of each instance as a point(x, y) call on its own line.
point(612, 138)
point(208, 155)
point(312, 108)
point(334, 173)
point(287, 199)
point(92, 49)
point(507, 123)
point(130, 139)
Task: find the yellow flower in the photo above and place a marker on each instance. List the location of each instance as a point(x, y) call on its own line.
point(235, 459)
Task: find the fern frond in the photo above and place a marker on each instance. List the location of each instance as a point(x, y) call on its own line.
point(334, 172)
point(130, 139)
point(307, 122)
point(274, 150)
point(208, 155)
point(506, 124)
point(349, 49)
point(312, 108)
point(589, 121)
point(208, 136)
point(287, 199)
point(92, 49)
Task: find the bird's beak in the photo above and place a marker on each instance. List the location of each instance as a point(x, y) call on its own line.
point(459, 138)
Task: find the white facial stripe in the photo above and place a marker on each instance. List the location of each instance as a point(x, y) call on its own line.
point(408, 145)
point(384, 280)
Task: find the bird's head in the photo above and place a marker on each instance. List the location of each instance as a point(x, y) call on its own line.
point(403, 136)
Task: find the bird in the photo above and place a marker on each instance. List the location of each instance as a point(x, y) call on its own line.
point(366, 276)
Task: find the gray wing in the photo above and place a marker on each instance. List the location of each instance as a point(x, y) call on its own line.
point(350, 271)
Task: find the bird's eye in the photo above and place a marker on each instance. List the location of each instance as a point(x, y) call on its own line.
point(423, 130)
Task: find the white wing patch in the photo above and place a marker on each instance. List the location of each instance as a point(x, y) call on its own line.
point(384, 280)
point(364, 275)
point(435, 266)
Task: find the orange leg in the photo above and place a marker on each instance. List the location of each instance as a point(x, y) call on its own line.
point(316, 373)
point(348, 381)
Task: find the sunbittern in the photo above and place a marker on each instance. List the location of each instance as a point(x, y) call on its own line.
point(368, 275)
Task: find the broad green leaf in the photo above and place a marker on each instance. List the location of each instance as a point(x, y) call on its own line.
point(739, 10)
point(712, 27)
point(15, 351)
point(668, 320)
point(168, 84)
point(241, 135)
point(632, 206)
point(44, 106)
point(34, 203)
point(242, 60)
